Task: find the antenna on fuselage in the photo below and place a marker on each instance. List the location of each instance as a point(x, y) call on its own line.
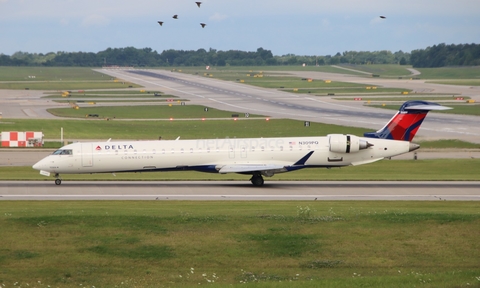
point(177, 138)
point(109, 139)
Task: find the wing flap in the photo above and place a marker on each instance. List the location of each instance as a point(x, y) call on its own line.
point(239, 168)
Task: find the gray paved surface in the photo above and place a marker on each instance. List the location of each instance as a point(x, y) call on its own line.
point(240, 190)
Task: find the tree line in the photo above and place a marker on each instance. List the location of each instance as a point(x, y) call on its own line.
point(446, 55)
point(436, 56)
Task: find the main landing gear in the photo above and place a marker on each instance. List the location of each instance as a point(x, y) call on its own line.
point(257, 179)
point(58, 181)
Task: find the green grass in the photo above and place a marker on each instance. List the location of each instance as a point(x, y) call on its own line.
point(190, 129)
point(257, 69)
point(401, 99)
point(383, 70)
point(465, 82)
point(108, 94)
point(463, 75)
point(385, 170)
point(51, 74)
point(276, 80)
point(347, 91)
point(58, 78)
point(450, 73)
point(448, 143)
point(239, 244)
point(175, 111)
point(67, 85)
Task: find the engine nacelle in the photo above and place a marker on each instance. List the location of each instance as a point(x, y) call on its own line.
point(340, 143)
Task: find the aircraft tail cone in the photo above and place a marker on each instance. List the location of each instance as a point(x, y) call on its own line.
point(413, 146)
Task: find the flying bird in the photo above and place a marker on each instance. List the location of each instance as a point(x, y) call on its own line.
point(198, 4)
point(203, 25)
point(383, 17)
point(160, 22)
point(175, 16)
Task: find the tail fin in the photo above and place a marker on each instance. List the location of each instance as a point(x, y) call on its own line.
point(405, 124)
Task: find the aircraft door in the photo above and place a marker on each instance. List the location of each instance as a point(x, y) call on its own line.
point(87, 155)
point(231, 152)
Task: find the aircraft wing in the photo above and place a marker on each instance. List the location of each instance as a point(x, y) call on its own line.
point(243, 168)
point(239, 168)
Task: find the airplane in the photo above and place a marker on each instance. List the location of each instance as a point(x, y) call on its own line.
point(203, 25)
point(257, 157)
point(198, 4)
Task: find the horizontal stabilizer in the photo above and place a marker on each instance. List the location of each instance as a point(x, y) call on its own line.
point(428, 107)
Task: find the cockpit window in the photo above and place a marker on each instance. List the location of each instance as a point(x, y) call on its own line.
point(63, 152)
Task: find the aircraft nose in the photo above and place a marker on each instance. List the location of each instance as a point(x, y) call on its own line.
point(39, 165)
point(36, 166)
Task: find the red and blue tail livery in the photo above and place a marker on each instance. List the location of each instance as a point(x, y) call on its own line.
point(405, 124)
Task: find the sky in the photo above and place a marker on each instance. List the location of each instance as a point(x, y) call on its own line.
point(300, 27)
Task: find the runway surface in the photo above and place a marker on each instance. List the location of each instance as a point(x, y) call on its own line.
point(241, 190)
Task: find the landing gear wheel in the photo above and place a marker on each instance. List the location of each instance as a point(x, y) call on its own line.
point(257, 180)
point(58, 181)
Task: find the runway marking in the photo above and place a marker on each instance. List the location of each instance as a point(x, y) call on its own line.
point(255, 196)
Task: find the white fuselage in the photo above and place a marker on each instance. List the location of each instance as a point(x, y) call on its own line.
point(210, 155)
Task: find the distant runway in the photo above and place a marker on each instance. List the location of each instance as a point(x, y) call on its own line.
point(241, 190)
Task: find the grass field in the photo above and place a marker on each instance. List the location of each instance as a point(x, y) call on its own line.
point(401, 99)
point(239, 244)
point(58, 78)
point(176, 111)
point(192, 129)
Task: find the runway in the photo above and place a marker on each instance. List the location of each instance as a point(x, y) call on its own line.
point(242, 191)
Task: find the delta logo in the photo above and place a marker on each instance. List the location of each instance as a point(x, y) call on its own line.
point(119, 147)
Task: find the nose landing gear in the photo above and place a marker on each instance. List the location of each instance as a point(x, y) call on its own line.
point(58, 181)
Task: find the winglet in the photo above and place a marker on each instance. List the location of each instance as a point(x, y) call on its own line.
point(405, 124)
